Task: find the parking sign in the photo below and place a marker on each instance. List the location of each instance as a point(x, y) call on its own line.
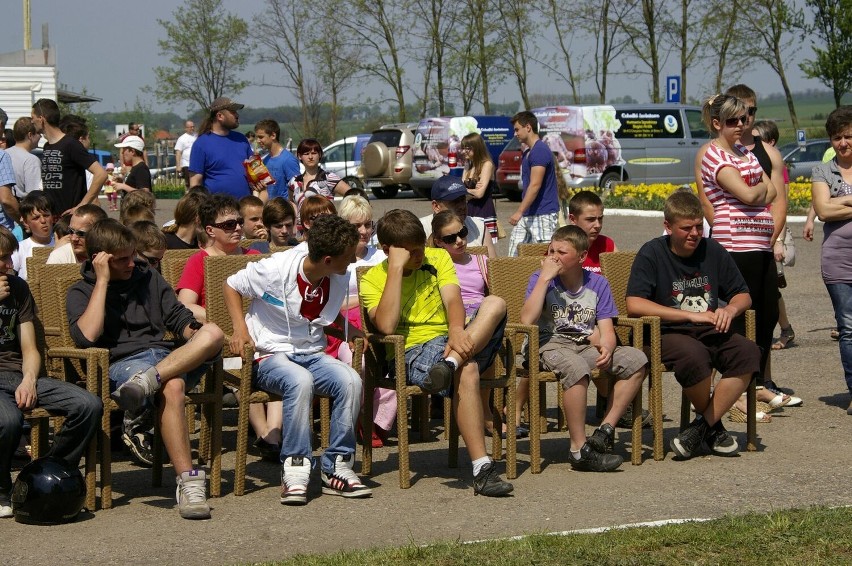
point(673, 88)
point(800, 137)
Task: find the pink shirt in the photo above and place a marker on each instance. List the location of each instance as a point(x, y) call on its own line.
point(472, 283)
point(737, 226)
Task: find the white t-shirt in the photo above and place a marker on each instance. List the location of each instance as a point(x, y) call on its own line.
point(374, 256)
point(24, 251)
point(184, 145)
point(62, 254)
point(27, 171)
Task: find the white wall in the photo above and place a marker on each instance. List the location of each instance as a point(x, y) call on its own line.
point(21, 86)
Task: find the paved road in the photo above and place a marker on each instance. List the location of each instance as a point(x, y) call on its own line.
point(803, 460)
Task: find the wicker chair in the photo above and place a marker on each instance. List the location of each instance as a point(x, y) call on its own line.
point(97, 381)
point(530, 250)
point(216, 270)
point(616, 267)
point(173, 263)
point(275, 249)
point(509, 278)
point(375, 375)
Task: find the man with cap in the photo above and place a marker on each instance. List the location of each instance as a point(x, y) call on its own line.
point(449, 193)
point(131, 150)
point(219, 151)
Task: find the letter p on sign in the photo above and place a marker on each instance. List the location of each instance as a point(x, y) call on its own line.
point(673, 88)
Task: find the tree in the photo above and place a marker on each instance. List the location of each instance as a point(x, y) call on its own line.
point(338, 59)
point(519, 17)
point(690, 33)
point(831, 38)
point(208, 48)
point(604, 21)
point(438, 19)
point(725, 24)
point(772, 22)
point(646, 27)
point(561, 21)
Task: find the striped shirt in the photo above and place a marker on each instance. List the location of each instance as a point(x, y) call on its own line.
point(737, 226)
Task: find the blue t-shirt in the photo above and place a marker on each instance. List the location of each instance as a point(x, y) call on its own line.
point(220, 160)
point(282, 167)
point(574, 315)
point(547, 199)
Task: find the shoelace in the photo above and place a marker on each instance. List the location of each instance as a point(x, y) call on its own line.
point(346, 473)
point(296, 476)
point(194, 491)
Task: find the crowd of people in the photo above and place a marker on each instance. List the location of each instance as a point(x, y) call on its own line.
point(717, 258)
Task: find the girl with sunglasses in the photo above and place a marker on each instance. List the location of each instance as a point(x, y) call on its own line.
point(740, 192)
point(478, 176)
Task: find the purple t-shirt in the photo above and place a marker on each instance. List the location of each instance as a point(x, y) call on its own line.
point(547, 199)
point(836, 256)
point(573, 315)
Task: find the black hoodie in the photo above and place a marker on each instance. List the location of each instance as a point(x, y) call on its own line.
point(138, 312)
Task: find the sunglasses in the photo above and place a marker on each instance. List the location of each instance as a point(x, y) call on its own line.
point(229, 225)
point(78, 233)
point(733, 122)
point(450, 239)
point(752, 110)
point(152, 261)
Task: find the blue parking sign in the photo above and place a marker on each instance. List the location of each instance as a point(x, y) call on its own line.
point(673, 88)
point(800, 137)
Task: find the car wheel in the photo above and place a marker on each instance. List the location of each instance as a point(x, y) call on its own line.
point(375, 160)
point(354, 182)
point(610, 179)
point(385, 192)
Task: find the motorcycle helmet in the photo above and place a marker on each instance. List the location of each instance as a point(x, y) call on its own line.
point(48, 491)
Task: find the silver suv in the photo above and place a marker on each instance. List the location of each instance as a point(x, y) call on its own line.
point(386, 161)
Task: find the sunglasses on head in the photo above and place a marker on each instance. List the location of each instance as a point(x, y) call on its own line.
point(733, 122)
point(229, 225)
point(451, 238)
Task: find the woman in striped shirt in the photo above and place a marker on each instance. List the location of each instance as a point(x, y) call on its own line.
point(740, 192)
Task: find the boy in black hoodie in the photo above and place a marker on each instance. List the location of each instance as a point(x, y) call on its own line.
point(124, 306)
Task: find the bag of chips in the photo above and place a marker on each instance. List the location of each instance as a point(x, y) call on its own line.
point(256, 172)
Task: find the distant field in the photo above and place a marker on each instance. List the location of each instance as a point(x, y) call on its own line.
point(811, 113)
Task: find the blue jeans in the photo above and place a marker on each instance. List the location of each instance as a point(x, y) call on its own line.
point(81, 409)
point(841, 299)
point(296, 378)
point(125, 368)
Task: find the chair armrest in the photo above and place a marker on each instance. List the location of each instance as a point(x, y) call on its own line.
point(531, 333)
point(97, 367)
point(398, 343)
point(635, 325)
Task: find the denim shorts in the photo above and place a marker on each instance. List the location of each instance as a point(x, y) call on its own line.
point(127, 367)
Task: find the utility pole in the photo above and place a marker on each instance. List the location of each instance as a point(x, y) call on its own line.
point(27, 26)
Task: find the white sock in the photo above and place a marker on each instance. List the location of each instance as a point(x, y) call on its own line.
point(576, 454)
point(480, 463)
point(452, 361)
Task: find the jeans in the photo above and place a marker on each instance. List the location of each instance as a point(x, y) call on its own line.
point(81, 409)
point(841, 299)
point(296, 378)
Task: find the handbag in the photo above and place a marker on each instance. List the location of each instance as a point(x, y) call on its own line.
point(789, 248)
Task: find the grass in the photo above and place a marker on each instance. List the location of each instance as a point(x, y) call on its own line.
point(813, 536)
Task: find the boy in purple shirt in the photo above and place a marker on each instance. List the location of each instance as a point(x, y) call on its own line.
point(574, 309)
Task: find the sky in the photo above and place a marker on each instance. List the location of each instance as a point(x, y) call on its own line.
point(110, 48)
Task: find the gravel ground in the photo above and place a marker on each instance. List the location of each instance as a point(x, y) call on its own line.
point(800, 462)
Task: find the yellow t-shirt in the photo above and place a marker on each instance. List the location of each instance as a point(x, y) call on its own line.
point(422, 316)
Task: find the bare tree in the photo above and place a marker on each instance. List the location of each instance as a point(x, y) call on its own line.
point(604, 21)
point(476, 52)
point(520, 19)
point(690, 33)
point(772, 30)
point(287, 49)
point(561, 22)
point(647, 26)
point(437, 20)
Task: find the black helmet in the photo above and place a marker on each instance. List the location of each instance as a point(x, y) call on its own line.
point(48, 491)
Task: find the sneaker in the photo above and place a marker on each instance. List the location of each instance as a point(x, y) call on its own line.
point(439, 378)
point(593, 461)
point(268, 452)
point(343, 481)
point(602, 439)
point(295, 476)
point(5, 505)
point(139, 444)
point(191, 495)
point(720, 442)
point(687, 442)
point(131, 395)
point(488, 483)
point(626, 420)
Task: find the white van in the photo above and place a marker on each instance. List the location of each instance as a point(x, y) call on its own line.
point(343, 157)
point(600, 145)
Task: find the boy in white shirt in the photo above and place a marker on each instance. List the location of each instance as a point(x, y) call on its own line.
point(37, 217)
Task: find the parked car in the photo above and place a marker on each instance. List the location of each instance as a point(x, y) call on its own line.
point(386, 161)
point(343, 158)
point(437, 141)
point(509, 169)
point(800, 160)
point(600, 145)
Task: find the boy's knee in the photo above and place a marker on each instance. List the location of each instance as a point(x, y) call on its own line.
point(174, 389)
point(90, 407)
point(210, 336)
point(11, 423)
point(494, 305)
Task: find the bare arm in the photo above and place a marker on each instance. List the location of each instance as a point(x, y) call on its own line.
point(829, 209)
point(706, 206)
point(536, 179)
point(763, 193)
point(779, 205)
point(196, 179)
point(26, 394)
point(189, 298)
point(808, 230)
point(484, 179)
point(386, 315)
point(241, 336)
point(341, 187)
point(99, 177)
point(531, 311)
point(178, 156)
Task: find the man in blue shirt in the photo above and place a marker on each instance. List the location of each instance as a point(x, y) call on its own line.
point(537, 216)
point(282, 164)
point(217, 155)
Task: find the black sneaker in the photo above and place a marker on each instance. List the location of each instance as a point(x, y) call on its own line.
point(593, 461)
point(602, 439)
point(687, 442)
point(139, 444)
point(626, 420)
point(488, 483)
point(439, 378)
point(268, 452)
point(720, 442)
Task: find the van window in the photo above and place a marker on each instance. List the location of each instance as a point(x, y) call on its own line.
point(697, 127)
point(388, 137)
point(650, 123)
point(336, 154)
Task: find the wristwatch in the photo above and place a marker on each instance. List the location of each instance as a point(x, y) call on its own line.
point(195, 325)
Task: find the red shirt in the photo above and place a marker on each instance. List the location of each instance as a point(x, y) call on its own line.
point(192, 277)
point(601, 245)
point(314, 298)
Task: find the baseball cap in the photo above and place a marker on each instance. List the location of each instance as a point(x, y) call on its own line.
point(109, 166)
point(448, 188)
point(134, 142)
point(225, 103)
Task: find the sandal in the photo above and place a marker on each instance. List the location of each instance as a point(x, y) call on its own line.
point(737, 416)
point(785, 340)
point(779, 400)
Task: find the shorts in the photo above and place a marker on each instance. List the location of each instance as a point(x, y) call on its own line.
point(420, 358)
point(125, 368)
point(692, 353)
point(571, 362)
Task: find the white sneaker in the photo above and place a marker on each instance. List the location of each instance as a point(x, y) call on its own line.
point(131, 395)
point(191, 495)
point(295, 476)
point(343, 481)
point(5, 505)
